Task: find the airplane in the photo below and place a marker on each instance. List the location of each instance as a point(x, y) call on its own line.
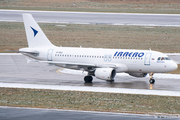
point(100, 63)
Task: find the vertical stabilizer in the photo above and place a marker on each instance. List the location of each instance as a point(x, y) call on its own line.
point(35, 36)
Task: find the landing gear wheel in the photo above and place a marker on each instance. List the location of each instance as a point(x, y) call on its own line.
point(151, 81)
point(88, 79)
point(111, 81)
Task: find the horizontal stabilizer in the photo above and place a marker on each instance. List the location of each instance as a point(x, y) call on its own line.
point(28, 50)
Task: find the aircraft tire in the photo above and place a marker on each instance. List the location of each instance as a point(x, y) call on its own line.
point(88, 79)
point(111, 81)
point(151, 81)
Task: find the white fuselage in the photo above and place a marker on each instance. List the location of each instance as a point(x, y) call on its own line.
point(126, 60)
point(101, 63)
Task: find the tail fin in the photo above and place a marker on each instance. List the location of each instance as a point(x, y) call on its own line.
point(35, 36)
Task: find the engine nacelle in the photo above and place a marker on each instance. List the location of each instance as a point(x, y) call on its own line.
point(138, 74)
point(105, 73)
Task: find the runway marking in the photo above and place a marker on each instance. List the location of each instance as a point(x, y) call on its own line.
point(10, 54)
point(149, 25)
point(93, 89)
point(8, 21)
point(91, 12)
point(58, 71)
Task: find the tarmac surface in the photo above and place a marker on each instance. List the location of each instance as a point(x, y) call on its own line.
point(16, 113)
point(94, 18)
point(15, 69)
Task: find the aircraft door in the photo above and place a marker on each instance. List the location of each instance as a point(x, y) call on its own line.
point(49, 54)
point(147, 59)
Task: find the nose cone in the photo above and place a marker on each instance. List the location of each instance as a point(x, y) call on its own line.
point(173, 66)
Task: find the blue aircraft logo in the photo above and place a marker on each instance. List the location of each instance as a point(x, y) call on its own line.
point(128, 54)
point(35, 31)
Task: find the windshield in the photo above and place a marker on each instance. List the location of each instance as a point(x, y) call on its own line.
point(163, 58)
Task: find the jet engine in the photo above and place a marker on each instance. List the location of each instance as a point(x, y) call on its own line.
point(105, 73)
point(138, 74)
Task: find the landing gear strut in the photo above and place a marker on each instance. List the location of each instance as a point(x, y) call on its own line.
point(151, 81)
point(88, 79)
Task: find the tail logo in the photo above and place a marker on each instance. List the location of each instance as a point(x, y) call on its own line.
point(35, 31)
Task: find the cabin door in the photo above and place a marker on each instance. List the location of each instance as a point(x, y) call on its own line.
point(147, 59)
point(49, 54)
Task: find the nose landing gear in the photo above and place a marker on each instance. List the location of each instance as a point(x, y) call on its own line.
point(151, 81)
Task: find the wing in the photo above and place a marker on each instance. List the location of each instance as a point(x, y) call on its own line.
point(85, 66)
point(67, 63)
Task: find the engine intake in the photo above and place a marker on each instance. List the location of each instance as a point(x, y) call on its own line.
point(105, 73)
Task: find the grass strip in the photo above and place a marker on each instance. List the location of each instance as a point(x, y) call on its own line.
point(119, 6)
point(163, 39)
point(89, 101)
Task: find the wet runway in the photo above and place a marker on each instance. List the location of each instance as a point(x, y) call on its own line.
point(15, 69)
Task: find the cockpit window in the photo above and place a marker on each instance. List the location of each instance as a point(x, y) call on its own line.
point(167, 58)
point(163, 58)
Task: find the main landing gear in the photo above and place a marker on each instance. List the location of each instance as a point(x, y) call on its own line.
point(88, 79)
point(151, 81)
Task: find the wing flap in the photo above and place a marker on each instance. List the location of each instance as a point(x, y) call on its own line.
point(69, 63)
point(81, 64)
